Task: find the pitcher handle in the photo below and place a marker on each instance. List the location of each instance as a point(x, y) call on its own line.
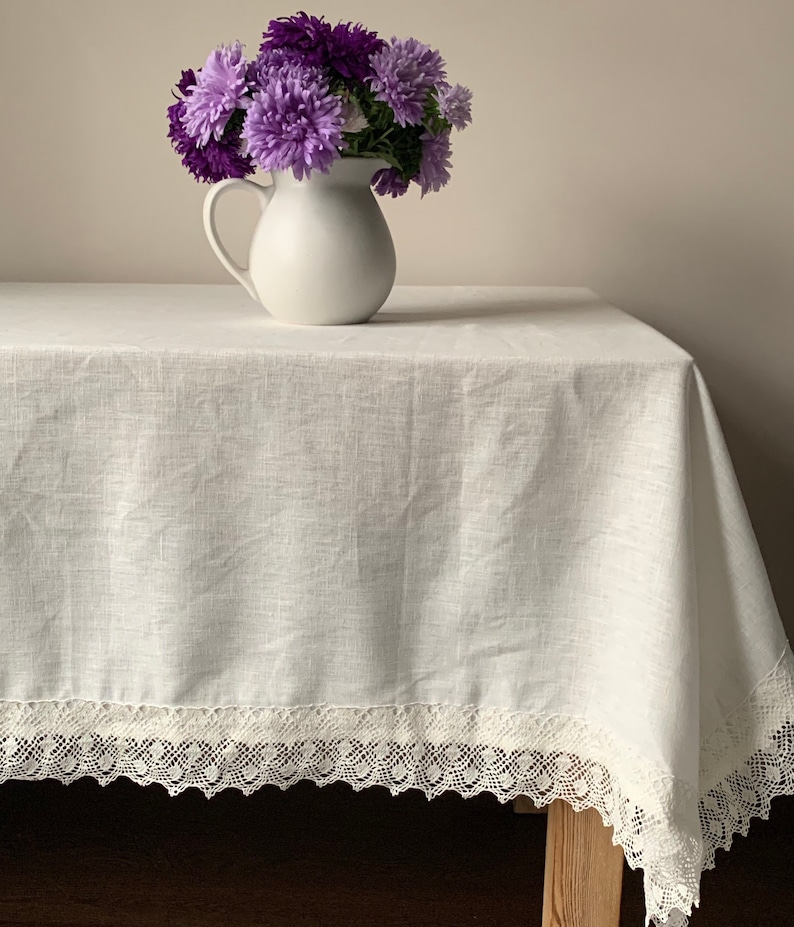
point(263, 194)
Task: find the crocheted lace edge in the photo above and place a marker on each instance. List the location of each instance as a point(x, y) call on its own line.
point(666, 827)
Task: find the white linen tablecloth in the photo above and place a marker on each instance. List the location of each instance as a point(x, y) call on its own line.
point(491, 540)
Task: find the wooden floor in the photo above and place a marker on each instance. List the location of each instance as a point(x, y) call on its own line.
point(123, 856)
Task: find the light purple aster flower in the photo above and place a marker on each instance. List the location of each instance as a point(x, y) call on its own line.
point(294, 122)
point(272, 59)
point(454, 104)
point(404, 72)
point(219, 89)
point(389, 182)
point(434, 172)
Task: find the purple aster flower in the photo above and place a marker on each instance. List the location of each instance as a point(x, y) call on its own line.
point(307, 35)
point(346, 47)
point(404, 72)
point(294, 122)
point(350, 49)
point(389, 182)
point(187, 80)
point(434, 172)
point(454, 104)
point(272, 59)
point(219, 89)
point(212, 162)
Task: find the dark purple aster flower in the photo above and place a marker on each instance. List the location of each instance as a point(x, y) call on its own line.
point(389, 182)
point(350, 49)
point(216, 160)
point(454, 104)
point(294, 122)
point(307, 35)
point(434, 172)
point(347, 47)
point(404, 72)
point(218, 91)
point(187, 81)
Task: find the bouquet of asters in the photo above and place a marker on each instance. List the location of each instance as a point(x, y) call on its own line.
point(315, 93)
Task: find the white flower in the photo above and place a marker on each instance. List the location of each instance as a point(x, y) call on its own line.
point(353, 120)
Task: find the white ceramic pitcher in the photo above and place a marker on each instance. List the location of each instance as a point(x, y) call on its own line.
point(321, 253)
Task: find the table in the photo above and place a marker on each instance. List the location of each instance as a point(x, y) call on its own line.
point(490, 541)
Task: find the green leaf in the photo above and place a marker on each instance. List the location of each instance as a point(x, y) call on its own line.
point(388, 158)
point(383, 138)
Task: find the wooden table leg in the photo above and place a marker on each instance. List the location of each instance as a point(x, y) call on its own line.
point(584, 872)
point(524, 805)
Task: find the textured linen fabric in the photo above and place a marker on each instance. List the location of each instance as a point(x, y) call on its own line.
point(498, 502)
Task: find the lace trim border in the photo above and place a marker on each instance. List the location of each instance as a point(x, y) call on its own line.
point(663, 825)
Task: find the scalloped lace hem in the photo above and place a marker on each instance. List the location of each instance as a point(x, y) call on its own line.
point(663, 825)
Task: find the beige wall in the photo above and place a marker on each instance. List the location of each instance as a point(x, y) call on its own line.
point(644, 149)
